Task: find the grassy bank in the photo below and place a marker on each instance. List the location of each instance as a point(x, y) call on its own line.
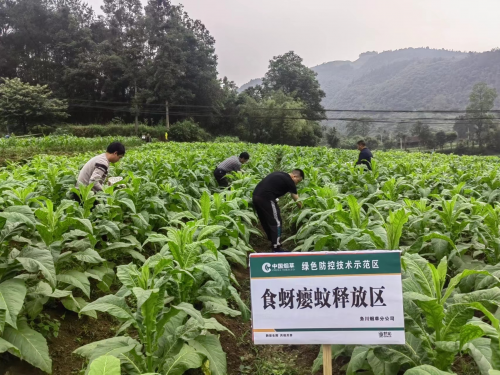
point(22, 148)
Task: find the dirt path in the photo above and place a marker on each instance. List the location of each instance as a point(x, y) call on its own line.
point(243, 357)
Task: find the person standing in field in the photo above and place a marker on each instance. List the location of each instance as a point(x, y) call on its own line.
point(365, 155)
point(265, 202)
point(96, 169)
point(232, 164)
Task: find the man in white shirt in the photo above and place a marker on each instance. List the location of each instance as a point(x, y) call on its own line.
point(96, 169)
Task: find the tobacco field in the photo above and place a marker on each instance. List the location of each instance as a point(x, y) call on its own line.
point(158, 256)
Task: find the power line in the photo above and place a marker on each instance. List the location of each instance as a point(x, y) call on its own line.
point(428, 120)
point(291, 109)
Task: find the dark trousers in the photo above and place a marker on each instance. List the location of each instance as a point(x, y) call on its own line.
point(220, 176)
point(269, 215)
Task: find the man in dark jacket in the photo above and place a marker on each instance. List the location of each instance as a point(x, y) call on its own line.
point(265, 201)
point(365, 155)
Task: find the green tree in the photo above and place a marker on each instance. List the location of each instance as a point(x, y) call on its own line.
point(288, 74)
point(23, 105)
point(372, 143)
point(390, 144)
point(139, 56)
point(187, 131)
point(424, 134)
point(463, 127)
point(451, 137)
point(481, 101)
point(402, 134)
point(182, 65)
point(227, 109)
point(440, 139)
point(361, 127)
point(332, 137)
point(277, 119)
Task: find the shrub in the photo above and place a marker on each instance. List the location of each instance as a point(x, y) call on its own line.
point(91, 131)
point(43, 129)
point(227, 139)
point(187, 131)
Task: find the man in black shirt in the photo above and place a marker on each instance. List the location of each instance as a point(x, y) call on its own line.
point(365, 155)
point(265, 202)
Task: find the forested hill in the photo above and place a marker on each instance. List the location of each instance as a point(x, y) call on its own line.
point(410, 79)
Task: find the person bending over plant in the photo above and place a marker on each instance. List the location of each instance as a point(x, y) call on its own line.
point(95, 170)
point(265, 202)
point(232, 164)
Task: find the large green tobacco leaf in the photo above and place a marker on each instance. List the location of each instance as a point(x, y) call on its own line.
point(426, 370)
point(187, 358)
point(413, 319)
point(457, 315)
point(205, 207)
point(104, 274)
point(38, 260)
point(417, 268)
point(86, 224)
point(417, 246)
point(354, 211)
point(245, 311)
point(209, 346)
point(358, 359)
point(169, 344)
point(16, 218)
point(445, 354)
point(380, 367)
point(32, 346)
point(76, 304)
point(12, 294)
point(491, 296)
point(110, 228)
point(413, 353)
point(129, 203)
point(117, 346)
point(90, 350)
point(189, 331)
point(216, 271)
point(76, 279)
point(394, 228)
point(469, 333)
point(456, 280)
point(5, 345)
point(89, 256)
point(105, 365)
point(480, 350)
point(111, 304)
point(434, 312)
point(213, 324)
point(190, 310)
point(129, 275)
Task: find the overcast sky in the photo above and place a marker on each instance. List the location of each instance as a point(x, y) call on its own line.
point(250, 32)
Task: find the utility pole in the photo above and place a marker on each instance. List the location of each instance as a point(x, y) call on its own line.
point(136, 109)
point(167, 120)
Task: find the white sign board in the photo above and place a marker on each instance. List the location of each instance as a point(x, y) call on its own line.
point(327, 298)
